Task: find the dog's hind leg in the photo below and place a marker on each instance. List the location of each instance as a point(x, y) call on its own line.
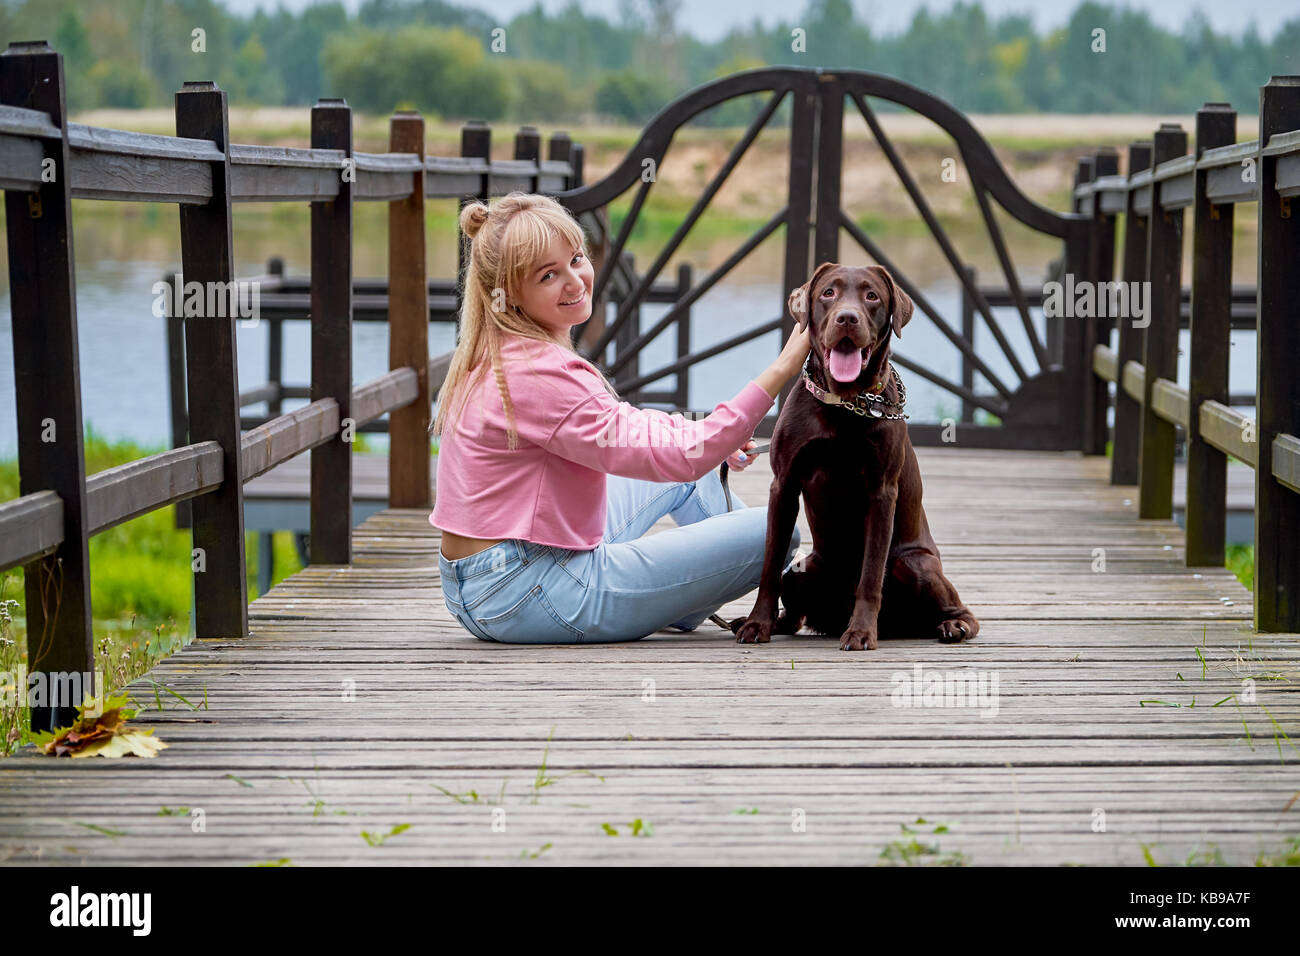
point(929, 600)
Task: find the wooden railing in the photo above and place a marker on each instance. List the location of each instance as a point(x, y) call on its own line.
point(1163, 181)
point(45, 162)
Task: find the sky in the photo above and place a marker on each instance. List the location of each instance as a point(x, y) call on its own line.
point(709, 21)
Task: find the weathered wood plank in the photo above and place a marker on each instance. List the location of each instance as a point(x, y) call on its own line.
point(793, 724)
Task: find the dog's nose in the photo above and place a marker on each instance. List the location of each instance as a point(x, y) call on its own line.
point(847, 317)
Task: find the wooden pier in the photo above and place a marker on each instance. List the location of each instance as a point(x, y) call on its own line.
point(1107, 686)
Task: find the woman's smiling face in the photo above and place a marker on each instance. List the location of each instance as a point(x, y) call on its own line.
point(556, 293)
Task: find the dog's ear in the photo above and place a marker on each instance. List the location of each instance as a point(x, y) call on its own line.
point(798, 303)
point(900, 303)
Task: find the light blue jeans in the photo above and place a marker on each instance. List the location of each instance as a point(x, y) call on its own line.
point(628, 586)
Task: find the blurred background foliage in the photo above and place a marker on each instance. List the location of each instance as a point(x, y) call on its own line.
point(571, 65)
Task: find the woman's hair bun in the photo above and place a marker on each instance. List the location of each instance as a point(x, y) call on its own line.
point(472, 218)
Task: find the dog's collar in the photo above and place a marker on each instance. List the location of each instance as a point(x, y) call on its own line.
point(869, 404)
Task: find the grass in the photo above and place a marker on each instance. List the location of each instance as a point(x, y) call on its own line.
point(1240, 560)
point(140, 588)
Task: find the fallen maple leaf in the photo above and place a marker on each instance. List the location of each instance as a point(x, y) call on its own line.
point(105, 735)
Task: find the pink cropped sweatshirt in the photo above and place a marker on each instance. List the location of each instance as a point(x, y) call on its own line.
point(551, 488)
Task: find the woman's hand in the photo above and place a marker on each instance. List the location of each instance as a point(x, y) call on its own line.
point(788, 364)
point(743, 458)
point(796, 349)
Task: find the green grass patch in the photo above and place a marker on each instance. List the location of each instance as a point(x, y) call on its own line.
point(1240, 560)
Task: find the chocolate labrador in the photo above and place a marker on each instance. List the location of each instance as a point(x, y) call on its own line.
point(841, 440)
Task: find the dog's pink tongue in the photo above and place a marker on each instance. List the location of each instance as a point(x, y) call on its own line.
point(846, 364)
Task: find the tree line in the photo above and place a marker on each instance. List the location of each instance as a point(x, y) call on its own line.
point(458, 62)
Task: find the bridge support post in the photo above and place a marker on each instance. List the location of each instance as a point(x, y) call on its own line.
point(1076, 341)
point(1128, 411)
point(799, 212)
point(1277, 508)
point(410, 480)
point(1160, 349)
point(47, 387)
point(331, 341)
point(475, 142)
point(1102, 266)
point(1078, 338)
point(1211, 315)
point(682, 394)
point(830, 163)
point(212, 378)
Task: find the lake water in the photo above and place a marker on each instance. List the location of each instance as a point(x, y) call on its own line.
point(123, 345)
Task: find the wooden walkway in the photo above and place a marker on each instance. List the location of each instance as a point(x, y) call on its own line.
point(793, 752)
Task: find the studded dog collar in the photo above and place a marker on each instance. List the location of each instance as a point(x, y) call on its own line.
point(869, 404)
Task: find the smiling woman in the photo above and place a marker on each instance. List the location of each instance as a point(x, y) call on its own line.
point(548, 484)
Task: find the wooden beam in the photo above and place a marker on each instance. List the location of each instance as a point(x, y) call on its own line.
point(1210, 323)
point(127, 491)
point(410, 475)
point(212, 379)
point(1105, 363)
point(1169, 401)
point(1277, 508)
point(1160, 346)
point(47, 384)
point(331, 343)
point(1229, 431)
point(31, 527)
point(287, 435)
point(1128, 410)
point(1286, 461)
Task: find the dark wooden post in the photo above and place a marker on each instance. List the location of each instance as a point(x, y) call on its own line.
point(410, 480)
point(683, 394)
point(528, 145)
point(630, 331)
point(798, 225)
point(176, 388)
point(1277, 508)
point(1128, 412)
point(212, 379)
point(1104, 163)
point(830, 157)
point(1076, 334)
point(559, 148)
point(331, 341)
point(476, 141)
point(1207, 467)
point(47, 388)
point(968, 333)
point(1082, 377)
point(1160, 349)
point(275, 346)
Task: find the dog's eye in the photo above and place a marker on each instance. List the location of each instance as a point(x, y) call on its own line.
point(829, 290)
point(871, 296)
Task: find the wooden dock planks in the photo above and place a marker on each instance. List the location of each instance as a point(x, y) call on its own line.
point(691, 733)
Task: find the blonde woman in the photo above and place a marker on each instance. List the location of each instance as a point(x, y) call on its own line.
point(547, 483)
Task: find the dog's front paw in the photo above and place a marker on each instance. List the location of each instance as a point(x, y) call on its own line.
point(857, 639)
point(960, 628)
point(756, 630)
